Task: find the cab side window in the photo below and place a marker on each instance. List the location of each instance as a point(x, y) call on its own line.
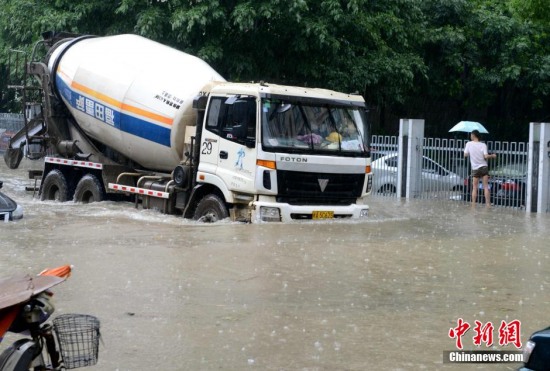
point(214, 112)
point(232, 118)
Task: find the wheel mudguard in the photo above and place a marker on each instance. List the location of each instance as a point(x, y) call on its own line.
point(18, 356)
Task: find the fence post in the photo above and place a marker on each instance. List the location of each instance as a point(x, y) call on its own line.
point(532, 168)
point(409, 169)
point(538, 168)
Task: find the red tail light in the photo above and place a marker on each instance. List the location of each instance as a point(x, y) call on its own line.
point(510, 185)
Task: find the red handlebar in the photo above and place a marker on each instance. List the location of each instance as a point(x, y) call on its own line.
point(63, 271)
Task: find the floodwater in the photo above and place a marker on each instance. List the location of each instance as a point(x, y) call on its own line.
point(173, 294)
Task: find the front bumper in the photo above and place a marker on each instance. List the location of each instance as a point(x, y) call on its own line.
point(289, 212)
point(11, 215)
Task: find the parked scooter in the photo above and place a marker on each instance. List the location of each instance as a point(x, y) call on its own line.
point(25, 306)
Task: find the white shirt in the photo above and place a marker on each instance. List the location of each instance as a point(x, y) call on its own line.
point(477, 152)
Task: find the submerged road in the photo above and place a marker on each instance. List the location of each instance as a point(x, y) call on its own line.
point(173, 294)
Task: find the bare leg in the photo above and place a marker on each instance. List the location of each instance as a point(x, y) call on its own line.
point(486, 190)
point(475, 185)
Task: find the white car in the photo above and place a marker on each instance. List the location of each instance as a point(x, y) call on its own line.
point(435, 178)
point(9, 209)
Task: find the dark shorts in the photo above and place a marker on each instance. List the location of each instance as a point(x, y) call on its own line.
point(481, 172)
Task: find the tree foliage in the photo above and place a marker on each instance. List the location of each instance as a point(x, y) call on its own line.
point(441, 60)
point(532, 10)
point(486, 65)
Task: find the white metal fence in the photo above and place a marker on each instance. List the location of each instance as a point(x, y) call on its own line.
point(445, 173)
point(10, 123)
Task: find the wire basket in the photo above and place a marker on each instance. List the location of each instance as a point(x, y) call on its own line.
point(78, 338)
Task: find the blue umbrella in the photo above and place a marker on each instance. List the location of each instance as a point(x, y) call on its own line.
point(468, 127)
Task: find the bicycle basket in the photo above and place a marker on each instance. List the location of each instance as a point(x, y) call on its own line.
point(78, 338)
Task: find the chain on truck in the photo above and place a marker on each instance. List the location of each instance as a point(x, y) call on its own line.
point(123, 117)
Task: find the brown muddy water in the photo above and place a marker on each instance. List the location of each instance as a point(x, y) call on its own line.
point(173, 294)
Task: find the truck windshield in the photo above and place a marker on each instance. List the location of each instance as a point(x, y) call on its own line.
point(305, 127)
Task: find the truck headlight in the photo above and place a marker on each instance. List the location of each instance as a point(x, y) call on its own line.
point(369, 183)
point(270, 214)
point(527, 350)
point(17, 213)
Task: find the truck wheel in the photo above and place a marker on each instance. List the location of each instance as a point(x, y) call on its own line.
point(54, 187)
point(210, 209)
point(89, 189)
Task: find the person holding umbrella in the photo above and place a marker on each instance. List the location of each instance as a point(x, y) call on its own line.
point(477, 151)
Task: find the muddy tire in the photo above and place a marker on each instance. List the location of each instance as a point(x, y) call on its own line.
point(210, 209)
point(55, 187)
point(89, 189)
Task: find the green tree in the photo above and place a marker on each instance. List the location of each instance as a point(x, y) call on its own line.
point(441, 60)
point(22, 23)
point(354, 46)
point(533, 10)
point(485, 65)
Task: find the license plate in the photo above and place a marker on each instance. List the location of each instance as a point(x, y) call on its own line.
point(322, 215)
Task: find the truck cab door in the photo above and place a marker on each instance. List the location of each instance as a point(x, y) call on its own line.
point(210, 139)
point(229, 141)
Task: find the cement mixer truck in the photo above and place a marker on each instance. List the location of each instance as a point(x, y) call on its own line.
point(124, 117)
